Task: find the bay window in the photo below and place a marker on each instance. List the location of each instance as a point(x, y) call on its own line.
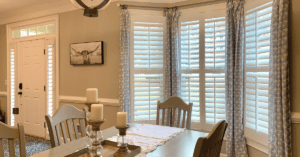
point(256, 84)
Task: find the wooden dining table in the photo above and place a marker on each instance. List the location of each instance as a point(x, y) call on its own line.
point(182, 145)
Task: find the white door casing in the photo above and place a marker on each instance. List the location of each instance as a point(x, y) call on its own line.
point(51, 45)
point(32, 75)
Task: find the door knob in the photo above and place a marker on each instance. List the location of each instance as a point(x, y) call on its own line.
point(20, 93)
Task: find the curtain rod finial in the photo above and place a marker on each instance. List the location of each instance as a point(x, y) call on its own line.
point(122, 6)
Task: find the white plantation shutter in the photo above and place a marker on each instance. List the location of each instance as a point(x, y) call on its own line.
point(257, 50)
point(147, 65)
point(190, 45)
point(148, 89)
point(215, 43)
point(190, 93)
point(189, 49)
point(202, 48)
point(215, 97)
point(215, 70)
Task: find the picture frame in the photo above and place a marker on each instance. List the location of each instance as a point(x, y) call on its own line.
point(87, 53)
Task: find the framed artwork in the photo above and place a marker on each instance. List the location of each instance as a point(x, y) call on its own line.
point(90, 53)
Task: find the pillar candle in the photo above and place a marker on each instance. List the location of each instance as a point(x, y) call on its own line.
point(96, 112)
point(121, 119)
point(92, 95)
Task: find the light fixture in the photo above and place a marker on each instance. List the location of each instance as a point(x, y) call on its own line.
point(91, 6)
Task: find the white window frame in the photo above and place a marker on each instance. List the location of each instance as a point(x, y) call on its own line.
point(143, 16)
point(202, 13)
point(14, 42)
point(255, 139)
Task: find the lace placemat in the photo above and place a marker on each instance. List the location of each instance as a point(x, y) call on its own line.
point(149, 136)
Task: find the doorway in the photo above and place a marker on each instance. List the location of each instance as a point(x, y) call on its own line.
point(32, 86)
point(32, 48)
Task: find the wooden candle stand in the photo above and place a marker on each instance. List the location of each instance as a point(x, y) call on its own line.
point(96, 125)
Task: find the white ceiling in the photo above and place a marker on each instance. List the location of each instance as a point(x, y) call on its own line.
point(15, 4)
point(18, 10)
point(6, 5)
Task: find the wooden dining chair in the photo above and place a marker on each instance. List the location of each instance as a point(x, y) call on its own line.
point(56, 125)
point(174, 107)
point(11, 133)
point(210, 146)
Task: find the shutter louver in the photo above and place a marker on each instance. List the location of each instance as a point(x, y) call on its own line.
point(190, 89)
point(214, 70)
point(215, 97)
point(190, 45)
point(258, 25)
point(148, 45)
point(190, 93)
point(148, 49)
point(148, 89)
point(215, 43)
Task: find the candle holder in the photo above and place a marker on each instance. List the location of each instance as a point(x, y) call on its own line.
point(122, 142)
point(90, 104)
point(95, 137)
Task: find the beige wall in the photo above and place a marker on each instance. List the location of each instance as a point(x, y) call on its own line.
point(74, 28)
point(3, 106)
point(294, 60)
point(3, 66)
point(2, 57)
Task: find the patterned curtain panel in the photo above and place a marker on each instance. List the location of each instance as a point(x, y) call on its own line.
point(172, 70)
point(124, 75)
point(279, 98)
point(235, 143)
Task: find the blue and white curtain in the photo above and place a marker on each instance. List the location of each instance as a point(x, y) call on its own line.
point(124, 74)
point(279, 97)
point(234, 81)
point(172, 66)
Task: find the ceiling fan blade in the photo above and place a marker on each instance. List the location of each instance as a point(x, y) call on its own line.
point(82, 4)
point(102, 4)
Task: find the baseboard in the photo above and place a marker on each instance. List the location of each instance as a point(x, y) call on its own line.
point(223, 155)
point(82, 100)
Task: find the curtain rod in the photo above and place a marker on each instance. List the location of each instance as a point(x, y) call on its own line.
point(152, 7)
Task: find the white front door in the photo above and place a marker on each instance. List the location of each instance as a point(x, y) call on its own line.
point(32, 75)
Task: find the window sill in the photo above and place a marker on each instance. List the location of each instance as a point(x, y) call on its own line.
point(261, 147)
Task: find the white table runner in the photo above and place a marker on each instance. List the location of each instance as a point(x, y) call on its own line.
point(149, 136)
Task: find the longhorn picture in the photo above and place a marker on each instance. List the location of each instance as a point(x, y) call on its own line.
point(86, 53)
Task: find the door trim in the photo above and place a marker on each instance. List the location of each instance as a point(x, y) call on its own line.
point(9, 28)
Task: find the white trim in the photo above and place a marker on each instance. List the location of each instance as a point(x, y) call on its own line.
point(223, 155)
point(3, 94)
point(296, 117)
point(9, 28)
point(261, 147)
point(81, 100)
